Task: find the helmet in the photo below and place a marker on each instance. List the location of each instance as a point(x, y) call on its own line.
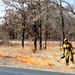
point(66, 39)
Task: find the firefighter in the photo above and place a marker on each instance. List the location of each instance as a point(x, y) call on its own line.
point(68, 51)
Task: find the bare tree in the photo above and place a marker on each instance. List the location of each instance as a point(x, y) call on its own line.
point(40, 26)
point(62, 19)
point(20, 7)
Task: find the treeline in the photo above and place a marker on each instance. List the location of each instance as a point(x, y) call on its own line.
point(38, 20)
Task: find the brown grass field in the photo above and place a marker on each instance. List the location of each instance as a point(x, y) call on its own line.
point(46, 59)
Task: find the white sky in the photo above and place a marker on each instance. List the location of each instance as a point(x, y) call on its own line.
point(2, 7)
point(2, 11)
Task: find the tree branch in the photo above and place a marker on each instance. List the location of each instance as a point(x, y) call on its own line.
point(71, 10)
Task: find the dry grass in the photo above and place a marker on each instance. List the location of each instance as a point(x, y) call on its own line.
point(44, 59)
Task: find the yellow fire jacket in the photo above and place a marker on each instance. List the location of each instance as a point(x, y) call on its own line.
point(67, 48)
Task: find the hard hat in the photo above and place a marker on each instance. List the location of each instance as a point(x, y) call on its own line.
point(66, 39)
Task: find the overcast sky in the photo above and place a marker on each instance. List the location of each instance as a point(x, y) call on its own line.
point(2, 7)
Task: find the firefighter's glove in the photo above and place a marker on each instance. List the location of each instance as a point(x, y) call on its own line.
point(73, 53)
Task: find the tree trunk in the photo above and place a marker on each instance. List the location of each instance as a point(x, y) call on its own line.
point(40, 36)
point(23, 30)
point(35, 38)
point(46, 24)
point(46, 37)
point(40, 25)
point(63, 35)
point(62, 19)
point(35, 33)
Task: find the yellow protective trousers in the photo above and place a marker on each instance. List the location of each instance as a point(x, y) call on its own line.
point(68, 57)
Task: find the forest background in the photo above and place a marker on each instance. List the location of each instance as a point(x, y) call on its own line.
point(38, 20)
